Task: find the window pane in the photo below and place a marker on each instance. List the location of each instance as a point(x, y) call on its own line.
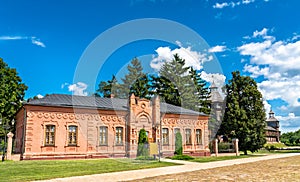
point(188, 138)
point(119, 136)
point(198, 136)
point(165, 135)
point(103, 135)
point(72, 135)
point(50, 135)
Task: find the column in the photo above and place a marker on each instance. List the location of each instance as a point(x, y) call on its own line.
point(9, 145)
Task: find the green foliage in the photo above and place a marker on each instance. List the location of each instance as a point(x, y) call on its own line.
point(178, 144)
point(109, 88)
point(135, 81)
point(12, 91)
point(291, 138)
point(175, 85)
point(182, 157)
point(202, 92)
point(274, 146)
point(143, 148)
point(225, 147)
point(244, 116)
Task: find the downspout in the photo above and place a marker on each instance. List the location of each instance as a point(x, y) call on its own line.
point(24, 131)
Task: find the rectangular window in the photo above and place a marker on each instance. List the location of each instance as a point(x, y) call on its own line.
point(188, 136)
point(165, 136)
point(72, 135)
point(50, 135)
point(119, 136)
point(198, 136)
point(103, 135)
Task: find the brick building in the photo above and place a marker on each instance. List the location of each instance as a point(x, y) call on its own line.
point(66, 126)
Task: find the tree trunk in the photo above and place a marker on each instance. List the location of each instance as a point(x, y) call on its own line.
point(245, 152)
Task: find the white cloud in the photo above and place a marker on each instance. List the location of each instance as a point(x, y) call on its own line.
point(262, 33)
point(192, 58)
point(221, 5)
point(217, 48)
point(33, 39)
point(39, 96)
point(217, 78)
point(12, 37)
point(278, 62)
point(233, 4)
point(78, 88)
point(37, 42)
point(288, 123)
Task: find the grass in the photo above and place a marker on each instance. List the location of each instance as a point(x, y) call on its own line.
point(49, 169)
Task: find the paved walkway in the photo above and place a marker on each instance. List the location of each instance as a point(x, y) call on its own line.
point(186, 167)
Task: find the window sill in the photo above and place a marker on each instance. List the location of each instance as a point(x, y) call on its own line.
point(72, 146)
point(49, 146)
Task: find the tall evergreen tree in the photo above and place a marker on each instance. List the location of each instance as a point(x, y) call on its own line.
point(136, 81)
point(244, 116)
point(202, 92)
point(175, 85)
point(109, 88)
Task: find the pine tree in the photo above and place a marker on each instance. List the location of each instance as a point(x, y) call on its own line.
point(109, 88)
point(175, 85)
point(244, 116)
point(202, 92)
point(135, 81)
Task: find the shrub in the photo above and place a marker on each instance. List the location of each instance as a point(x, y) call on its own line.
point(182, 157)
point(274, 146)
point(178, 144)
point(143, 148)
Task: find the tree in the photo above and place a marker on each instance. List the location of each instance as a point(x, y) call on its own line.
point(109, 88)
point(202, 92)
point(175, 85)
point(135, 81)
point(291, 138)
point(244, 116)
point(11, 93)
point(178, 144)
point(143, 144)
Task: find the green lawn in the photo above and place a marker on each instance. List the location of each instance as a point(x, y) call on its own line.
point(48, 169)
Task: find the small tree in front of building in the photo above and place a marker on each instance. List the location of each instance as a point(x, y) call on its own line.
point(143, 149)
point(178, 144)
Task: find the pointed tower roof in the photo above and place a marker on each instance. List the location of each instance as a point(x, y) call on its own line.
point(215, 95)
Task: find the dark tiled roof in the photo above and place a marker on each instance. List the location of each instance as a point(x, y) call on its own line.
point(269, 128)
point(101, 103)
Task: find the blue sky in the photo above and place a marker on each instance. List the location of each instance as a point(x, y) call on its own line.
point(48, 43)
